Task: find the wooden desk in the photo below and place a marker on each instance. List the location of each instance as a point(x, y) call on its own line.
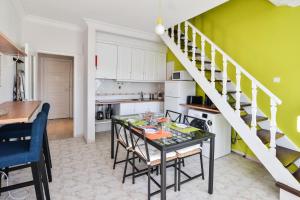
point(18, 111)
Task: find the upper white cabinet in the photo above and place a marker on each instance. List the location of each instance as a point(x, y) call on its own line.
point(137, 65)
point(130, 59)
point(107, 61)
point(149, 66)
point(161, 66)
point(124, 63)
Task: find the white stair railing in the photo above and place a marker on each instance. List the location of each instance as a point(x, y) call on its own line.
point(256, 85)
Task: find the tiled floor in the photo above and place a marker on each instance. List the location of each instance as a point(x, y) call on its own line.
point(84, 172)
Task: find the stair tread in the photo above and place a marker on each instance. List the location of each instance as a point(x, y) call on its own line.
point(220, 81)
point(248, 118)
point(286, 156)
point(264, 135)
point(296, 174)
point(233, 92)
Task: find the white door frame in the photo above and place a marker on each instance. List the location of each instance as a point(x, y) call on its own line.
point(76, 119)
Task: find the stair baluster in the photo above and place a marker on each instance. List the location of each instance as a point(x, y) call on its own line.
point(238, 92)
point(186, 38)
point(194, 48)
point(224, 91)
point(213, 65)
point(179, 35)
point(254, 108)
point(273, 127)
point(203, 56)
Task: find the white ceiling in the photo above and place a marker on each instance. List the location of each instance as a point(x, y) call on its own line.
point(135, 14)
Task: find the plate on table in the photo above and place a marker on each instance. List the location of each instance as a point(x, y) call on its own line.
point(150, 130)
point(181, 125)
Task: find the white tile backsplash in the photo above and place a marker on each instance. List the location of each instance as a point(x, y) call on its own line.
point(112, 89)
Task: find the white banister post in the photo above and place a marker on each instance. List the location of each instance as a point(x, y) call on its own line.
point(224, 91)
point(273, 127)
point(213, 65)
point(172, 33)
point(202, 55)
point(186, 38)
point(179, 35)
point(194, 48)
point(254, 108)
point(238, 91)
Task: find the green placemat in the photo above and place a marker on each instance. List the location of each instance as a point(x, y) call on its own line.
point(183, 130)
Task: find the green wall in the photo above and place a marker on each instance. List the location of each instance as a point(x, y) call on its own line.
point(265, 40)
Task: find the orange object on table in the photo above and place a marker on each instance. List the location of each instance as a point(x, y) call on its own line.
point(158, 135)
point(162, 120)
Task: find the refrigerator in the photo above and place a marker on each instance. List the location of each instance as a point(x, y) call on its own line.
point(176, 93)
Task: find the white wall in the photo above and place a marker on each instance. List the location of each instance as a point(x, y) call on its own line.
point(10, 25)
point(49, 37)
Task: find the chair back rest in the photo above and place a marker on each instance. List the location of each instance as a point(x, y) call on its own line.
point(195, 122)
point(37, 132)
point(45, 109)
point(174, 116)
point(121, 132)
point(139, 141)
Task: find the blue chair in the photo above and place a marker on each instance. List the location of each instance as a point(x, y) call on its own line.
point(22, 152)
point(23, 130)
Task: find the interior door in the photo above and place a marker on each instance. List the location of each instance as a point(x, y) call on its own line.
point(107, 61)
point(56, 89)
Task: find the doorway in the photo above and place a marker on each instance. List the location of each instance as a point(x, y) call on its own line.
point(56, 88)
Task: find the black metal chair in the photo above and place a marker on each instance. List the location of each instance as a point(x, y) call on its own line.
point(123, 140)
point(190, 151)
point(174, 116)
point(150, 156)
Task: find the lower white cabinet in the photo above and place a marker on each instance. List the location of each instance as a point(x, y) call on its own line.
point(139, 107)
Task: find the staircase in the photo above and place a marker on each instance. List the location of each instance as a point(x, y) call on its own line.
point(258, 131)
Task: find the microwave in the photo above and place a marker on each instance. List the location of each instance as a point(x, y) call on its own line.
point(181, 76)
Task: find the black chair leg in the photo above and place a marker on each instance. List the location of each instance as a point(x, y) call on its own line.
point(175, 176)
point(116, 155)
point(201, 163)
point(44, 177)
point(149, 182)
point(183, 164)
point(47, 149)
point(179, 174)
point(37, 181)
point(157, 168)
point(133, 168)
point(125, 169)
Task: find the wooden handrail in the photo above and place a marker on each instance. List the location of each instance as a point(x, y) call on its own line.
point(288, 188)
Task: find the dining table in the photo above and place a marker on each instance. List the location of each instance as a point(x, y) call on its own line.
point(189, 136)
point(18, 111)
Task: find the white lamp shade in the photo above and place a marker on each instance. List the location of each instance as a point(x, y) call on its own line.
point(159, 29)
point(298, 124)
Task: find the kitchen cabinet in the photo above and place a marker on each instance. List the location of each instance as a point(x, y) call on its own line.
point(160, 66)
point(107, 61)
point(124, 63)
point(149, 66)
point(137, 65)
point(139, 107)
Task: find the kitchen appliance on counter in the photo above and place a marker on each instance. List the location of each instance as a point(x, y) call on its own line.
point(194, 100)
point(182, 75)
point(208, 102)
point(99, 115)
point(176, 93)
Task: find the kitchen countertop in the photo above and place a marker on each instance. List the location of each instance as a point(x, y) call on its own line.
point(118, 101)
point(202, 108)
